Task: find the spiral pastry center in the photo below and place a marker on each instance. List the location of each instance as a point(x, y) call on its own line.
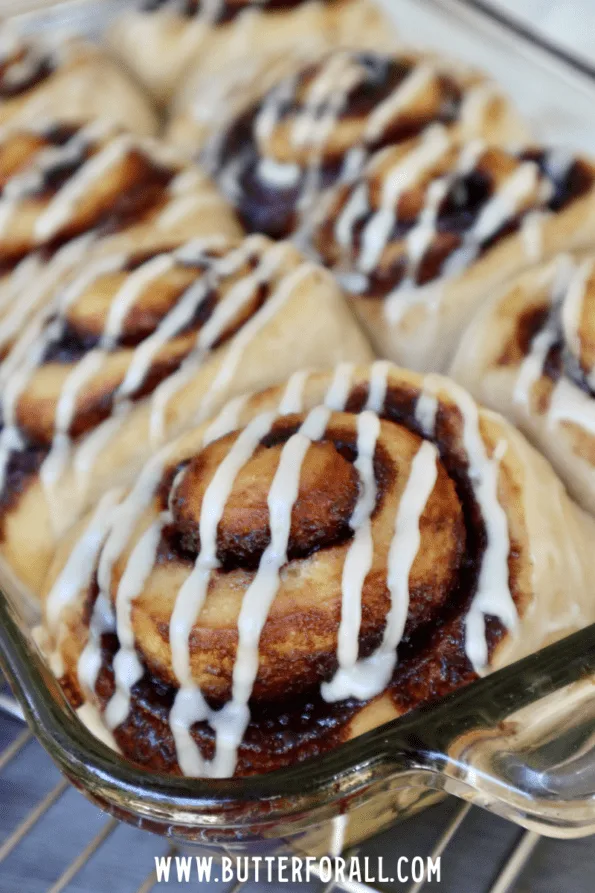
point(432, 208)
point(327, 495)
point(316, 127)
point(23, 67)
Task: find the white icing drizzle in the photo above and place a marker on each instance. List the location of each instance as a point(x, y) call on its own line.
point(78, 570)
point(531, 369)
point(402, 177)
point(357, 562)
point(570, 404)
point(92, 719)
point(369, 677)
point(21, 363)
point(87, 452)
point(122, 522)
point(419, 78)
point(326, 96)
point(532, 235)
point(408, 293)
point(270, 111)
point(57, 459)
point(493, 597)
point(227, 420)
point(378, 385)
point(89, 664)
point(572, 305)
point(20, 278)
point(406, 543)
point(10, 437)
point(355, 208)
point(180, 315)
point(271, 259)
point(293, 398)
point(338, 391)
point(128, 669)
point(190, 706)
point(126, 297)
point(30, 293)
point(518, 189)
point(505, 203)
point(426, 411)
point(134, 285)
point(60, 208)
point(126, 516)
point(285, 289)
point(231, 721)
point(421, 236)
point(84, 371)
point(281, 175)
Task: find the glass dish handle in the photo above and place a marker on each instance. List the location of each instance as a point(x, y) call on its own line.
point(520, 743)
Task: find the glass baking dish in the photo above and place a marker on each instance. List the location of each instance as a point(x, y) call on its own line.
point(520, 743)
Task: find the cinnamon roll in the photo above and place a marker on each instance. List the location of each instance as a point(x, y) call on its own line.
point(431, 228)
point(317, 127)
point(69, 80)
point(161, 41)
point(132, 349)
point(69, 191)
point(530, 355)
point(314, 561)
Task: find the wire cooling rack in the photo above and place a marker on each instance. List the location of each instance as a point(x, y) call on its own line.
point(52, 840)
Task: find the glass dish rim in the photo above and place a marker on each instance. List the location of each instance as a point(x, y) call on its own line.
point(413, 747)
point(417, 744)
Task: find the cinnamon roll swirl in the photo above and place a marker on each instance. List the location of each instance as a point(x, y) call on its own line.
point(132, 349)
point(70, 81)
point(431, 228)
point(316, 560)
point(68, 191)
point(162, 41)
point(530, 354)
point(317, 127)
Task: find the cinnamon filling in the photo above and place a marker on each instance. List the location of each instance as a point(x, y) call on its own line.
point(225, 10)
point(266, 205)
point(23, 72)
point(459, 211)
point(320, 517)
point(289, 718)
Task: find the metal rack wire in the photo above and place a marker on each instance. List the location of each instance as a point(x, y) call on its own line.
point(510, 867)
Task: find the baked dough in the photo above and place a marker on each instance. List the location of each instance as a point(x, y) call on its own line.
point(432, 228)
point(69, 80)
point(70, 192)
point(317, 127)
point(164, 42)
point(133, 348)
point(530, 355)
point(274, 560)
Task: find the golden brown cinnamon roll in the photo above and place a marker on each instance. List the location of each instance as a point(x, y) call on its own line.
point(315, 561)
point(136, 347)
point(530, 354)
point(163, 40)
point(431, 228)
point(317, 126)
point(69, 191)
point(71, 81)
